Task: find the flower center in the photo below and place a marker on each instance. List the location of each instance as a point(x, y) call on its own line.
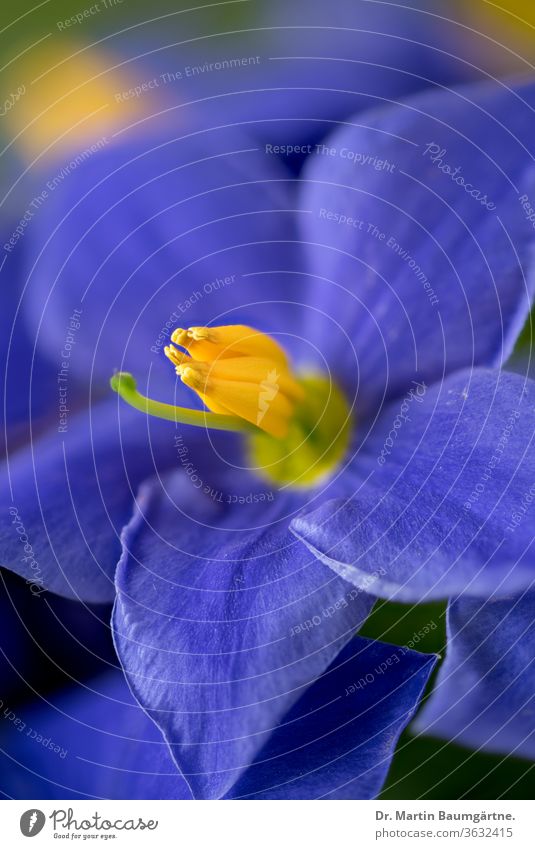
point(297, 427)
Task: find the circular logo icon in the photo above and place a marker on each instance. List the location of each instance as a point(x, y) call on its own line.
point(32, 822)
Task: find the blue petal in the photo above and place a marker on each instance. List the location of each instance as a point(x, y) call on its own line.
point(437, 487)
point(338, 741)
point(153, 231)
point(95, 741)
point(90, 742)
point(222, 622)
point(414, 276)
point(485, 691)
point(65, 498)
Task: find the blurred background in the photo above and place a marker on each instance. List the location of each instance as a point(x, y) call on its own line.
point(75, 72)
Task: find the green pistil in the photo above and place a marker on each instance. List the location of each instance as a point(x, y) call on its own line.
point(316, 443)
point(125, 385)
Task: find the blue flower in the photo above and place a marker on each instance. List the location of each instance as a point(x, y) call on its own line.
point(399, 266)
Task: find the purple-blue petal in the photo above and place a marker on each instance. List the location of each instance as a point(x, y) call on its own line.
point(415, 273)
point(92, 741)
point(221, 623)
point(484, 696)
point(65, 497)
point(337, 742)
point(436, 489)
point(155, 230)
point(319, 65)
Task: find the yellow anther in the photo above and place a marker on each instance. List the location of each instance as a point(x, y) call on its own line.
point(202, 334)
point(179, 337)
point(191, 377)
point(176, 357)
point(238, 371)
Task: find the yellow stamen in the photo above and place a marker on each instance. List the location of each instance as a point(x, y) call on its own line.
point(297, 429)
point(238, 371)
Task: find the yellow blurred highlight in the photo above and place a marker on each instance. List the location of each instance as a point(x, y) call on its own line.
point(72, 98)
